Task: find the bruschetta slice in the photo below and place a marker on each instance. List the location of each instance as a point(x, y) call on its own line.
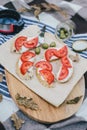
point(45, 77)
point(25, 65)
point(44, 73)
point(23, 43)
point(66, 70)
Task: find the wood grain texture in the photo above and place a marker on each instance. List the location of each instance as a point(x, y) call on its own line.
point(47, 113)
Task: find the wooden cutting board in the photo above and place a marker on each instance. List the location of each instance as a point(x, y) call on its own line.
point(59, 91)
point(47, 112)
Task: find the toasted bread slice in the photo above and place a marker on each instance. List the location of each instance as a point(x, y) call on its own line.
point(42, 79)
point(28, 75)
point(69, 73)
point(33, 31)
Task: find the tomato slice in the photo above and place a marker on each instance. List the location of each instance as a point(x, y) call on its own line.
point(31, 43)
point(25, 66)
point(65, 61)
point(49, 53)
point(26, 56)
point(19, 42)
point(62, 52)
point(63, 73)
point(47, 75)
point(44, 65)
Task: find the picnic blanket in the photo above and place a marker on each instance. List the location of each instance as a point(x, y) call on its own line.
point(73, 122)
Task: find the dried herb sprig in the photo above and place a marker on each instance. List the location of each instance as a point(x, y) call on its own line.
point(1, 97)
point(38, 6)
point(74, 58)
point(26, 102)
point(17, 121)
point(74, 100)
point(1, 77)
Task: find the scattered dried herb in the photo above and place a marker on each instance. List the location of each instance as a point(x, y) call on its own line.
point(1, 77)
point(74, 101)
point(38, 6)
point(74, 58)
point(46, 7)
point(37, 11)
point(22, 9)
point(17, 121)
point(1, 97)
point(26, 102)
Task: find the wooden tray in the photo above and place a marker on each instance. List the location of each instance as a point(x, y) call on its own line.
point(47, 112)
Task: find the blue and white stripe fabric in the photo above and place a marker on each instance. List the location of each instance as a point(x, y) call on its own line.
point(4, 38)
point(75, 38)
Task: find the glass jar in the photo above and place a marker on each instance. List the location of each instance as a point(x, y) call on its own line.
point(65, 30)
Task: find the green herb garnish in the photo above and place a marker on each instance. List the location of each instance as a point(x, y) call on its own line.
point(45, 46)
point(1, 97)
point(37, 50)
point(26, 102)
point(74, 101)
point(52, 44)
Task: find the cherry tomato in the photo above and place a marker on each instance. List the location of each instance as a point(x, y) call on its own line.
point(26, 56)
point(19, 42)
point(47, 75)
point(44, 65)
point(65, 61)
point(31, 43)
point(62, 52)
point(25, 66)
point(63, 74)
point(49, 53)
